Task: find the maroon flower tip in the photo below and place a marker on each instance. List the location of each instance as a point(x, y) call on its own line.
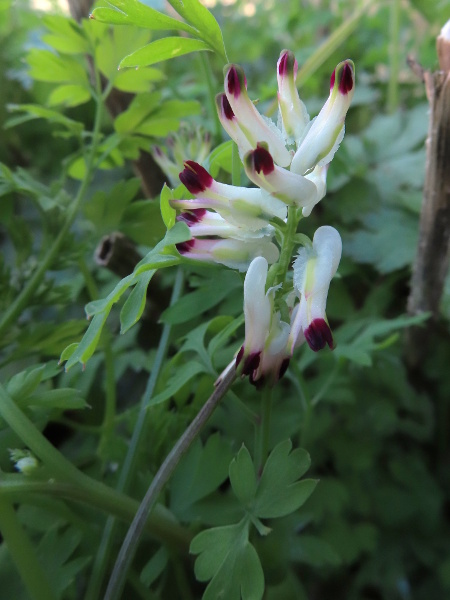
point(234, 81)
point(157, 150)
point(251, 363)
point(225, 107)
point(345, 77)
point(283, 64)
point(190, 218)
point(332, 79)
point(185, 247)
point(318, 334)
point(287, 63)
point(346, 80)
point(195, 177)
point(262, 160)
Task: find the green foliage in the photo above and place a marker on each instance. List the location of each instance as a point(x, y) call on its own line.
point(78, 447)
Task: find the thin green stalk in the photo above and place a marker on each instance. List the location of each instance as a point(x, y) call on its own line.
point(128, 468)
point(62, 469)
point(160, 525)
point(23, 554)
point(212, 87)
point(278, 275)
point(129, 546)
point(394, 56)
point(23, 299)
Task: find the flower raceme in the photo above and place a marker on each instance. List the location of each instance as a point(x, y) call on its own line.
point(235, 226)
point(288, 164)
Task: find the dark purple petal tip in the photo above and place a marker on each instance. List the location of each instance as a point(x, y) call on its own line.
point(318, 334)
point(345, 74)
point(195, 177)
point(287, 63)
point(260, 159)
point(192, 217)
point(234, 80)
point(185, 247)
point(251, 363)
point(224, 107)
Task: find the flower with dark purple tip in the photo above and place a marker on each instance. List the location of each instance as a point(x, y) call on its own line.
point(314, 269)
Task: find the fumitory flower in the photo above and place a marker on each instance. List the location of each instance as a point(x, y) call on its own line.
point(263, 355)
point(314, 268)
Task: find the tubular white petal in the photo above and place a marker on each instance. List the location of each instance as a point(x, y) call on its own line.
point(257, 306)
point(315, 267)
point(326, 132)
point(251, 123)
point(319, 178)
point(294, 116)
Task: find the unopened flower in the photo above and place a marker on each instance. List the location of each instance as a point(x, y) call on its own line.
point(189, 142)
point(323, 136)
point(263, 355)
point(314, 269)
point(233, 253)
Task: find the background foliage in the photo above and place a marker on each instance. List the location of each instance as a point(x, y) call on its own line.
point(370, 432)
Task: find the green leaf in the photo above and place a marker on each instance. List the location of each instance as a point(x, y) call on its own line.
point(243, 477)
point(279, 491)
point(137, 81)
point(23, 384)
point(35, 111)
point(86, 347)
point(100, 309)
point(229, 560)
point(199, 16)
point(220, 158)
point(62, 398)
point(167, 212)
point(141, 106)
point(182, 375)
point(200, 473)
point(142, 222)
point(69, 95)
point(66, 35)
point(132, 12)
point(164, 49)
point(48, 66)
point(134, 306)
point(195, 303)
point(313, 551)
point(155, 566)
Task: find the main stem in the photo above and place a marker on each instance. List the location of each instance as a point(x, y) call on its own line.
point(129, 546)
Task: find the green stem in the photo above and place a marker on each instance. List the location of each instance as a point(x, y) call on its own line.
point(61, 468)
point(25, 296)
point(278, 275)
point(212, 87)
point(394, 56)
point(23, 554)
point(129, 546)
point(128, 468)
point(160, 525)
